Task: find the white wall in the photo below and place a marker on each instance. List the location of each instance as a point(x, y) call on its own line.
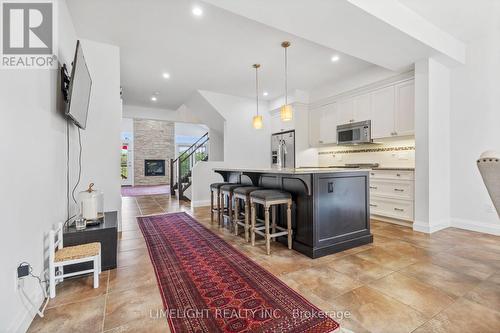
point(475, 127)
point(190, 130)
point(432, 131)
point(243, 145)
point(180, 115)
point(202, 176)
point(33, 177)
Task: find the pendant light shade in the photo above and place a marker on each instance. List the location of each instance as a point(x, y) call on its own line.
point(257, 122)
point(286, 112)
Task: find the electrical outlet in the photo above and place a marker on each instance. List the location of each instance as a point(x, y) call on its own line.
point(403, 156)
point(23, 270)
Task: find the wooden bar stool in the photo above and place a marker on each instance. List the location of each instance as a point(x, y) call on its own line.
point(215, 188)
point(271, 198)
point(227, 195)
point(243, 193)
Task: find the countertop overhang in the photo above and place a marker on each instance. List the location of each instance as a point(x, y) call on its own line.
point(296, 171)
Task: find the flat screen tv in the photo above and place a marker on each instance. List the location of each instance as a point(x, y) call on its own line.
point(79, 89)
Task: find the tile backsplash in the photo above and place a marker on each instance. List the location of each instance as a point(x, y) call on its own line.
point(393, 153)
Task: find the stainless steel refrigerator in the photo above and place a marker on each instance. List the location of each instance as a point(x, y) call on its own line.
point(283, 150)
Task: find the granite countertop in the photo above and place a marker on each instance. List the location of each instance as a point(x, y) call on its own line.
point(297, 171)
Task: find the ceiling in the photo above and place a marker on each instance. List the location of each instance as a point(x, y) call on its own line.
point(463, 19)
point(213, 52)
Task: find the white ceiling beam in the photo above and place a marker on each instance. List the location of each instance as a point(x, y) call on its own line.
point(352, 27)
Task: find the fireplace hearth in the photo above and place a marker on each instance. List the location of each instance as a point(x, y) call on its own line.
point(154, 167)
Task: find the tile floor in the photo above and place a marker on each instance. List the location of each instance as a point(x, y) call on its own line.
point(403, 282)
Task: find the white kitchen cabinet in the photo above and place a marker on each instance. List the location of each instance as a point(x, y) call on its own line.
point(328, 124)
point(323, 125)
point(391, 108)
point(383, 111)
point(362, 108)
point(392, 195)
point(354, 109)
point(314, 126)
point(345, 111)
point(404, 119)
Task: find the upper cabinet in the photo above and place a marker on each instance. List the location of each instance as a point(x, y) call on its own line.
point(355, 109)
point(404, 120)
point(383, 111)
point(390, 108)
point(323, 125)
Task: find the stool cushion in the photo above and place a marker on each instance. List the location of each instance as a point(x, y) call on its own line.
point(217, 185)
point(230, 187)
point(245, 190)
point(269, 195)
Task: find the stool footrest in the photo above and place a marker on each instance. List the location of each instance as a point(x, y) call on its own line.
point(276, 234)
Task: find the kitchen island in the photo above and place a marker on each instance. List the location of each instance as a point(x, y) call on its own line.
point(331, 210)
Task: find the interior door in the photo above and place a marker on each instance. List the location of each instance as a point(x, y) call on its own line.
point(127, 160)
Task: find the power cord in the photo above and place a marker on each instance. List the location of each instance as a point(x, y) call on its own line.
point(68, 173)
point(40, 312)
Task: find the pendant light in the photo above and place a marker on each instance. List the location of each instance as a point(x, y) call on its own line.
point(257, 119)
point(286, 113)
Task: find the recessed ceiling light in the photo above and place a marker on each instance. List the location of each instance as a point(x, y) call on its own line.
point(166, 75)
point(197, 11)
point(265, 93)
point(335, 58)
point(154, 98)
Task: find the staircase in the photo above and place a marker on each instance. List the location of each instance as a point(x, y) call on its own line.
point(180, 168)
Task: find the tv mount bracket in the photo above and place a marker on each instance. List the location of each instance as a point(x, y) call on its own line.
point(65, 80)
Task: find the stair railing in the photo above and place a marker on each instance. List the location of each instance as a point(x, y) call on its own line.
point(179, 178)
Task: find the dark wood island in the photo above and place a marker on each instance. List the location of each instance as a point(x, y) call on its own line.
point(331, 210)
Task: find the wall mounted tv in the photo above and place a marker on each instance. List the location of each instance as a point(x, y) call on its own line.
point(79, 89)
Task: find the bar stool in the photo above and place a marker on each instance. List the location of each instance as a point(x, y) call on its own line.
point(215, 188)
point(243, 193)
point(271, 198)
point(227, 193)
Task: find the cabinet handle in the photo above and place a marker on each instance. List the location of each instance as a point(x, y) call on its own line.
point(373, 187)
point(395, 133)
point(373, 205)
point(398, 174)
point(320, 141)
point(399, 190)
point(372, 173)
point(399, 209)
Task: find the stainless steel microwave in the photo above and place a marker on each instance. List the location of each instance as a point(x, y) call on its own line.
point(355, 133)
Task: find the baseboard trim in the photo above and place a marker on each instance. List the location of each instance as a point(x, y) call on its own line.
point(200, 203)
point(429, 229)
point(484, 227)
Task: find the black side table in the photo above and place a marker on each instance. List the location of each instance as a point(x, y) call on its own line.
point(105, 233)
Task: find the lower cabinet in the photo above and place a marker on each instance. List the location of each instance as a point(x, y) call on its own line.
point(392, 194)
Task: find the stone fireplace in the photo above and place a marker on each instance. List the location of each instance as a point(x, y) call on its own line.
point(154, 146)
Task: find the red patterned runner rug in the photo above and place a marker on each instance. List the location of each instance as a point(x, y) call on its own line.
point(209, 286)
